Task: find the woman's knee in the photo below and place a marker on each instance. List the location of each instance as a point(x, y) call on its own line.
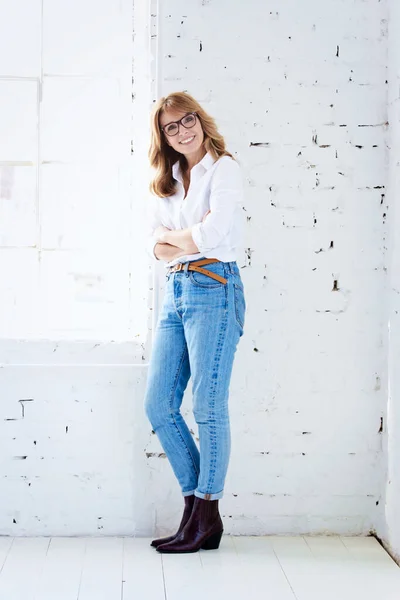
point(150, 408)
point(155, 410)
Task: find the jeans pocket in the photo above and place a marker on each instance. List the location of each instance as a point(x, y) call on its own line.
point(204, 281)
point(240, 305)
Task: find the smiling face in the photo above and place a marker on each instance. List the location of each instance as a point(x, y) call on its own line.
point(188, 141)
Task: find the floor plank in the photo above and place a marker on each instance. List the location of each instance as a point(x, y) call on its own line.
point(21, 572)
point(319, 568)
point(5, 547)
point(184, 577)
point(263, 570)
point(142, 571)
point(102, 569)
point(125, 568)
point(62, 570)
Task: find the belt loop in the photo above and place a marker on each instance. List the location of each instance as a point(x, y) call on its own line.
point(230, 267)
point(185, 268)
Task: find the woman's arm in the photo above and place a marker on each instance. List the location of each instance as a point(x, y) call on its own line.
point(226, 197)
point(167, 252)
point(181, 238)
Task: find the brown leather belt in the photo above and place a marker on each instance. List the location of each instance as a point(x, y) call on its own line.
point(196, 266)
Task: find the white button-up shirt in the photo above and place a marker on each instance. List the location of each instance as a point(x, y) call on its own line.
point(216, 186)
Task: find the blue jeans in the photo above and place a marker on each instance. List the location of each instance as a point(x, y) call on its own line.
point(200, 324)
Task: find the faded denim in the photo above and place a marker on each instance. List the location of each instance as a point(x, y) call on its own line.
point(198, 330)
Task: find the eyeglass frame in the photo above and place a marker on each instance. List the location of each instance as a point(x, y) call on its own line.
point(179, 122)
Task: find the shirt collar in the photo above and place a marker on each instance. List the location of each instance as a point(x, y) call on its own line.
point(206, 162)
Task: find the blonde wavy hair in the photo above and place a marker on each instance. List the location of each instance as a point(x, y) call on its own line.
point(162, 156)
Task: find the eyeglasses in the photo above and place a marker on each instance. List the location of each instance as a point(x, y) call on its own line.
point(187, 121)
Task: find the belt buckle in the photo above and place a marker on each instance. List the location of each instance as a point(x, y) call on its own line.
point(179, 267)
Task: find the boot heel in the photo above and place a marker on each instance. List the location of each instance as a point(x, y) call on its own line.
point(212, 543)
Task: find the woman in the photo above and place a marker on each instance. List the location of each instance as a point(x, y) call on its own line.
point(196, 222)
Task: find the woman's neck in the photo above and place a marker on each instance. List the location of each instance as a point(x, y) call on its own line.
point(192, 161)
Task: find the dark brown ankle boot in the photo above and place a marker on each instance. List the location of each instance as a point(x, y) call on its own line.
point(189, 501)
point(203, 530)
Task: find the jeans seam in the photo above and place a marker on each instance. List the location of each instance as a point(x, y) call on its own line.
point(217, 361)
point(172, 414)
point(236, 288)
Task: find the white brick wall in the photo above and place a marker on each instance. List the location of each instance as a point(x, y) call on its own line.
point(309, 129)
point(391, 530)
point(74, 311)
point(298, 90)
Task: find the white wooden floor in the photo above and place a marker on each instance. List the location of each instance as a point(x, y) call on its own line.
point(273, 568)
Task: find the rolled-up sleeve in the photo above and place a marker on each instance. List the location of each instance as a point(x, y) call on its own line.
point(226, 196)
point(153, 221)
